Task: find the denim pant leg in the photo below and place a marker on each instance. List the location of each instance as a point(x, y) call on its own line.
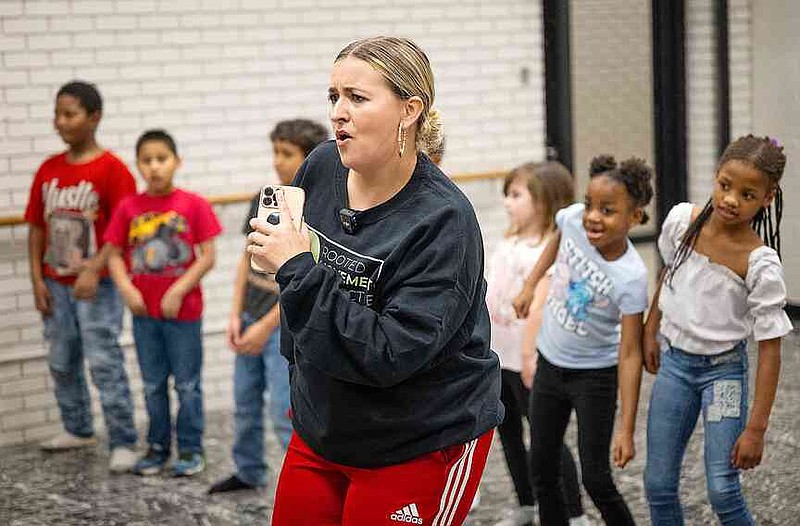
point(155, 368)
point(100, 322)
point(724, 418)
point(184, 343)
point(594, 395)
point(66, 361)
point(249, 384)
point(277, 369)
point(674, 407)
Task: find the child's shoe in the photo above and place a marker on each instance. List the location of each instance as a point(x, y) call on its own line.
point(122, 459)
point(152, 462)
point(189, 464)
point(64, 441)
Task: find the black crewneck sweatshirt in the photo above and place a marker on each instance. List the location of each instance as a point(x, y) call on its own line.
point(386, 330)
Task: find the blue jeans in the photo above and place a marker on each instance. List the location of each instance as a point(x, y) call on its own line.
point(164, 348)
point(687, 384)
point(253, 376)
point(89, 330)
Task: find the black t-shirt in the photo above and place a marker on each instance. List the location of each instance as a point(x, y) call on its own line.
point(261, 292)
point(386, 330)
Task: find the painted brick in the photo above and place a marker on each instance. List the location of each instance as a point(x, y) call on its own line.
point(12, 43)
point(25, 59)
point(119, 23)
point(23, 420)
point(22, 386)
point(92, 7)
point(25, 26)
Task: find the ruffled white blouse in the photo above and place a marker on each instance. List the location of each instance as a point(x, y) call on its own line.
point(708, 308)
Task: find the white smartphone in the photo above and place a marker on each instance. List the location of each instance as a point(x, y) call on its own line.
point(269, 208)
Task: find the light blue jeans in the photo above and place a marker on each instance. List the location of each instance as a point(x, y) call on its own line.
point(89, 330)
point(172, 348)
point(687, 384)
point(253, 377)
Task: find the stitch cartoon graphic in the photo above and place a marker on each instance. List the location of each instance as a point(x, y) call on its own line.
point(579, 297)
point(570, 298)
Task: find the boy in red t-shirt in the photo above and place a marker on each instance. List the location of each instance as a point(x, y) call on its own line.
point(72, 196)
point(158, 232)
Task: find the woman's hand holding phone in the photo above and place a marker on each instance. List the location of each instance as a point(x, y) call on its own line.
point(272, 245)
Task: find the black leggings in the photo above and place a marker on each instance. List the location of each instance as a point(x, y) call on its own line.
point(593, 395)
point(515, 397)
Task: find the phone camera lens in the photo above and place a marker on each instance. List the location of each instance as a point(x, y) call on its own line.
point(269, 190)
point(267, 201)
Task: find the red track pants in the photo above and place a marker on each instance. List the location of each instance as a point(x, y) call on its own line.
point(435, 489)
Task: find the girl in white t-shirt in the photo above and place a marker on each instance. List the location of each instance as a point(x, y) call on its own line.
point(532, 194)
point(722, 284)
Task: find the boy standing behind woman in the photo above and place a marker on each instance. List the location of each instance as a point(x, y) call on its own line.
point(253, 331)
point(159, 231)
point(72, 198)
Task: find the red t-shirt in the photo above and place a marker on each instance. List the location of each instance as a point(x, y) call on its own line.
point(158, 235)
point(73, 203)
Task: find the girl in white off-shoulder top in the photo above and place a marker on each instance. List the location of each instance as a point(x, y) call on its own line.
point(722, 283)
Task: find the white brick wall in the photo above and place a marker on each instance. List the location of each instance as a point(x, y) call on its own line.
point(219, 75)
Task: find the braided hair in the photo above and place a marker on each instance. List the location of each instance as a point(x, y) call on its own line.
point(766, 156)
point(633, 174)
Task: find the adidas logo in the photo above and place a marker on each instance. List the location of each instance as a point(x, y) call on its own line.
point(408, 514)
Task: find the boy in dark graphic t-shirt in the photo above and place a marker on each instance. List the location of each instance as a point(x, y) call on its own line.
point(253, 331)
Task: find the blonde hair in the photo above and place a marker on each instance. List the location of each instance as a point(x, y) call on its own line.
point(550, 185)
point(407, 71)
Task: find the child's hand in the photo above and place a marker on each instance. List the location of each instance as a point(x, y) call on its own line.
point(748, 450)
point(528, 370)
point(523, 301)
point(134, 300)
point(171, 303)
point(623, 449)
point(652, 354)
point(233, 331)
point(85, 287)
point(41, 297)
point(253, 338)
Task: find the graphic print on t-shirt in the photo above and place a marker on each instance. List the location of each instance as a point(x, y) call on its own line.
point(156, 243)
point(70, 212)
point(70, 240)
point(358, 272)
point(577, 284)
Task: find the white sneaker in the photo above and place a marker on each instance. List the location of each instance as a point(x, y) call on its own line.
point(64, 441)
point(122, 459)
point(522, 516)
point(583, 520)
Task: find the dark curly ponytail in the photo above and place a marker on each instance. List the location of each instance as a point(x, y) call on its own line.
point(633, 174)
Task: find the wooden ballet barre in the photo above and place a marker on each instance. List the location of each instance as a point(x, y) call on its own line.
point(244, 197)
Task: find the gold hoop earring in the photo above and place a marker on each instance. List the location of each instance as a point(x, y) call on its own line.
point(401, 139)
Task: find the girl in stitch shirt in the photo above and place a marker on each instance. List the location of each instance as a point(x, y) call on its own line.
point(532, 194)
point(723, 283)
point(590, 338)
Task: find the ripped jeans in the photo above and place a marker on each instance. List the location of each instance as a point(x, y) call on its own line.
point(687, 384)
point(164, 348)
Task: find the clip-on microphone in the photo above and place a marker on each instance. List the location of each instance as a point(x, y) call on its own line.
point(349, 220)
